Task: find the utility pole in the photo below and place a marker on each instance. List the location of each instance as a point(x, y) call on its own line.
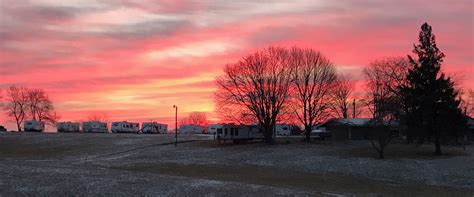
point(176, 125)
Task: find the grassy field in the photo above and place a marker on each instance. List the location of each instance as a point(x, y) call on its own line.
point(131, 164)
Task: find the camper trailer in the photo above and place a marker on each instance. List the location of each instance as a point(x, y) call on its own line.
point(154, 127)
point(190, 129)
point(68, 127)
point(94, 127)
point(33, 126)
point(125, 127)
point(238, 133)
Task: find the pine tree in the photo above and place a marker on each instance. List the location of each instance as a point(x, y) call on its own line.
point(433, 104)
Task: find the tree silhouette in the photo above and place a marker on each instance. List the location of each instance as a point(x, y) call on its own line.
point(433, 105)
point(259, 83)
point(16, 104)
point(313, 77)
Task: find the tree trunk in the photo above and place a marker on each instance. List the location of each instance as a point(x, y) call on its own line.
point(437, 146)
point(268, 132)
point(307, 132)
point(381, 154)
point(19, 127)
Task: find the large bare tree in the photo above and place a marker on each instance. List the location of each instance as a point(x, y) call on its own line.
point(259, 83)
point(40, 107)
point(384, 78)
point(313, 77)
point(16, 105)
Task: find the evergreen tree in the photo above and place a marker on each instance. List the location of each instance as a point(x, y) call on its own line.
point(433, 106)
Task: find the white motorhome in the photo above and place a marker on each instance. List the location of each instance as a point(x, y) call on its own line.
point(283, 129)
point(33, 126)
point(68, 127)
point(154, 127)
point(190, 129)
point(125, 127)
point(94, 127)
point(238, 133)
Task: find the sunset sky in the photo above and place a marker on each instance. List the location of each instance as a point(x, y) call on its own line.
point(133, 60)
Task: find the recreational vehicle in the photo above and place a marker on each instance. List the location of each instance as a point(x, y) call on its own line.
point(154, 127)
point(94, 127)
point(68, 127)
point(125, 127)
point(238, 133)
point(190, 129)
point(33, 126)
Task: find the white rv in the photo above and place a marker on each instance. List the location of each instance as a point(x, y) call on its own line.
point(33, 126)
point(94, 127)
point(68, 127)
point(125, 127)
point(190, 129)
point(154, 127)
point(238, 133)
point(283, 129)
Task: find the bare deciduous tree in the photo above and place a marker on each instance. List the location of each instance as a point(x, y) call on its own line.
point(40, 107)
point(384, 77)
point(98, 116)
point(196, 118)
point(313, 76)
point(340, 103)
point(16, 104)
point(260, 84)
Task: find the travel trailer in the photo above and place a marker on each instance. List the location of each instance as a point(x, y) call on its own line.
point(94, 127)
point(190, 129)
point(154, 127)
point(125, 127)
point(238, 133)
point(33, 126)
point(68, 127)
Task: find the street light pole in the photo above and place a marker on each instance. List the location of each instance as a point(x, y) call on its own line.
point(176, 125)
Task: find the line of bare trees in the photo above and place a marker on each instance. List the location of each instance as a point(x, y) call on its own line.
point(23, 103)
point(277, 84)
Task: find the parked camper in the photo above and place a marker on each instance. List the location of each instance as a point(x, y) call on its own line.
point(154, 127)
point(94, 127)
point(283, 129)
point(68, 127)
point(238, 133)
point(125, 127)
point(190, 129)
point(33, 126)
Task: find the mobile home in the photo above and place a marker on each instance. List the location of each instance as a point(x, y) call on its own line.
point(94, 127)
point(154, 127)
point(125, 127)
point(68, 127)
point(33, 126)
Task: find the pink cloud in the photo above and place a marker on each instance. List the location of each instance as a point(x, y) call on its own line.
point(140, 57)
